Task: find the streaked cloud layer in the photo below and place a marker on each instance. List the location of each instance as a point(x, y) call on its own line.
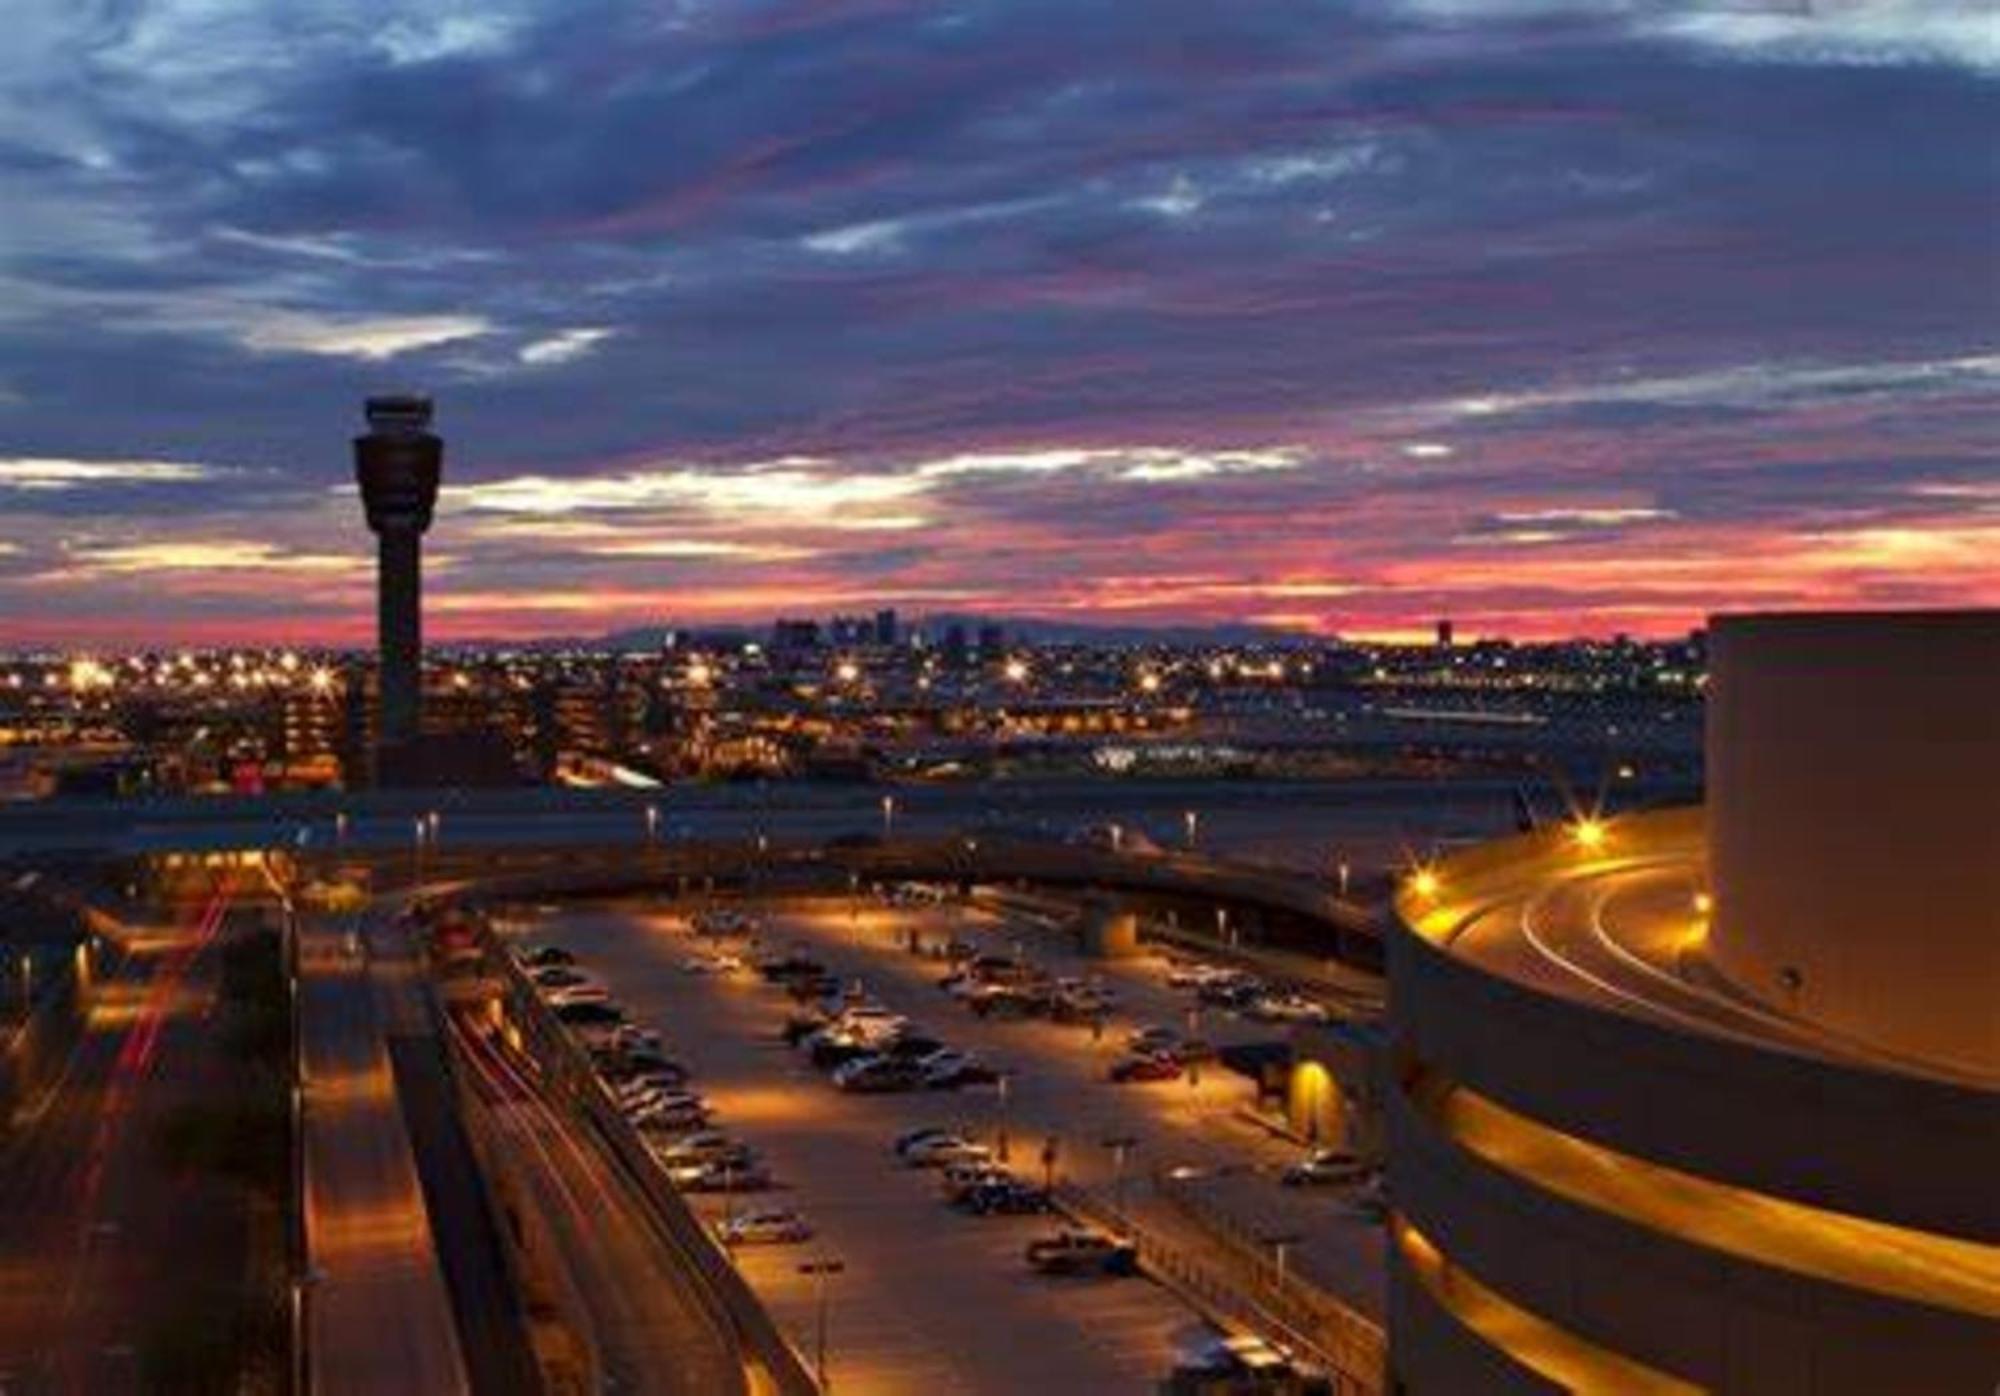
point(1545, 314)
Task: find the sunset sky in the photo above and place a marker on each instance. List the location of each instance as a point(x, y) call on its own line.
point(1551, 317)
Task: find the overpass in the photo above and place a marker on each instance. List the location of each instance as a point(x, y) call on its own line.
point(795, 835)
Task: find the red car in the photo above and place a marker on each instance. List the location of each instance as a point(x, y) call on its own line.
point(1146, 1066)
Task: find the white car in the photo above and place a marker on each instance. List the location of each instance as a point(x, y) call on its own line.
point(764, 1226)
point(941, 1150)
point(723, 963)
point(1289, 1008)
point(702, 1146)
point(576, 993)
point(660, 1098)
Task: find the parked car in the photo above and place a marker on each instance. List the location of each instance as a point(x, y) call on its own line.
point(1149, 1067)
point(1083, 1253)
point(1152, 1040)
point(576, 993)
point(632, 1037)
point(764, 1226)
point(910, 1138)
point(1287, 1008)
point(912, 1046)
point(668, 1115)
point(828, 1049)
point(720, 1176)
point(947, 1071)
point(720, 962)
point(699, 1147)
point(779, 968)
point(1325, 1168)
point(646, 1063)
point(941, 1149)
point(955, 1180)
point(587, 1014)
point(872, 1074)
point(1005, 1198)
point(559, 976)
point(543, 956)
point(1234, 989)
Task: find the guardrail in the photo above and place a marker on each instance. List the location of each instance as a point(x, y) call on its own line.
point(1356, 1345)
point(1243, 1291)
point(733, 1306)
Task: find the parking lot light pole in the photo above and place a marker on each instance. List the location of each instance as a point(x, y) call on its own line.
point(1001, 1142)
point(1121, 1146)
point(820, 1269)
point(1281, 1248)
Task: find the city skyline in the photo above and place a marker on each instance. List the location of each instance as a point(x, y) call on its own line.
point(1556, 319)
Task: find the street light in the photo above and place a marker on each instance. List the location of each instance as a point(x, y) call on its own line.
point(1192, 822)
point(888, 816)
point(652, 825)
point(819, 1269)
point(1280, 1247)
point(1120, 1145)
point(1000, 1143)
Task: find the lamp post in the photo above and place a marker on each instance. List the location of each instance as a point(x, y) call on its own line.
point(1281, 1249)
point(1192, 822)
point(340, 829)
point(417, 853)
point(1000, 1143)
point(1341, 874)
point(888, 816)
point(652, 825)
point(1121, 1146)
point(820, 1269)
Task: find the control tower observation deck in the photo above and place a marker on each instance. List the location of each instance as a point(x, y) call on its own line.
point(1708, 1099)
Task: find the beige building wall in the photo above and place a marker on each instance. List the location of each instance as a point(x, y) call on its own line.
point(1854, 824)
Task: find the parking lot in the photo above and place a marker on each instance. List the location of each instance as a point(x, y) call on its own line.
point(930, 1299)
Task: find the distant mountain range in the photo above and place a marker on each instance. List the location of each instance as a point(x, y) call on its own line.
point(1033, 629)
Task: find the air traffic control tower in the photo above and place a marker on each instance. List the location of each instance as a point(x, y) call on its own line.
point(397, 464)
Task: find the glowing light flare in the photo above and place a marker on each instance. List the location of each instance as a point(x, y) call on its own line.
point(1588, 833)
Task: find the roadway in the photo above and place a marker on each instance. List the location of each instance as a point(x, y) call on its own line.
point(932, 1301)
point(89, 1220)
point(1621, 929)
point(642, 1325)
point(380, 1318)
point(1303, 825)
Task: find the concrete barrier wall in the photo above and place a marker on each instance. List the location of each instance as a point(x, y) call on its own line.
point(1910, 1150)
point(1437, 1353)
point(1726, 1323)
